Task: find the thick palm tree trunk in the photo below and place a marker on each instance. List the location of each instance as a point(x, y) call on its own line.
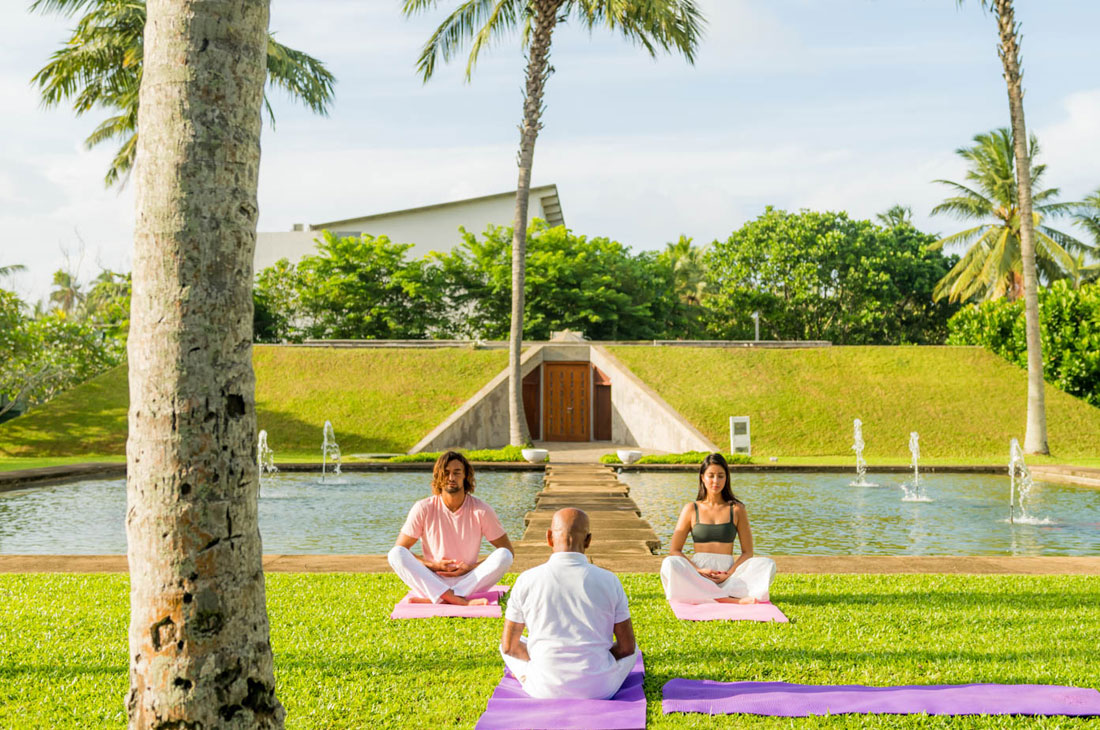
point(199, 647)
point(538, 70)
point(1035, 438)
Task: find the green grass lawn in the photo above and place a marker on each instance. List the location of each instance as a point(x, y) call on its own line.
point(341, 663)
point(965, 402)
point(378, 401)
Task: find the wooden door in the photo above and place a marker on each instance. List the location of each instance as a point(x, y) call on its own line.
point(531, 392)
point(566, 402)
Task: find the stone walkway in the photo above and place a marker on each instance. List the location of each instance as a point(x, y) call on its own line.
point(618, 531)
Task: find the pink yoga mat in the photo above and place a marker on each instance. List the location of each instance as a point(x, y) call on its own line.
point(404, 609)
point(510, 708)
point(781, 699)
point(727, 612)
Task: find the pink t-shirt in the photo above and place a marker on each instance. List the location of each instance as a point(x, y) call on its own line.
point(456, 535)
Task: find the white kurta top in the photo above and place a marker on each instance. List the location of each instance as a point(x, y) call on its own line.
point(570, 608)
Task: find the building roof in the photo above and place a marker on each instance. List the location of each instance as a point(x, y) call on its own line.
point(551, 206)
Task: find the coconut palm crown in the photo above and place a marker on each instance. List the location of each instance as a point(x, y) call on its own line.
point(991, 267)
point(666, 25)
point(100, 66)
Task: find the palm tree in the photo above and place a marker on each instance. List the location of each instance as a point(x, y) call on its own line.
point(896, 215)
point(992, 265)
point(67, 294)
point(12, 269)
point(101, 65)
point(688, 264)
point(200, 652)
point(1008, 48)
point(653, 24)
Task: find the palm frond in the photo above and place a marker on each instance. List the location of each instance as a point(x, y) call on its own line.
point(961, 238)
point(302, 76)
point(474, 19)
point(965, 201)
point(1049, 248)
point(654, 25)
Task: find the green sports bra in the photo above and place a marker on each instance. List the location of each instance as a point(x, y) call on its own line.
point(720, 532)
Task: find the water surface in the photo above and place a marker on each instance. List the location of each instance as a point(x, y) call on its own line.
point(355, 513)
point(820, 514)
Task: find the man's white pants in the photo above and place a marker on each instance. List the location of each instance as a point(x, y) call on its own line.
point(682, 581)
point(427, 584)
point(544, 680)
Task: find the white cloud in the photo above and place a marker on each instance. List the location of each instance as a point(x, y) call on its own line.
point(1071, 147)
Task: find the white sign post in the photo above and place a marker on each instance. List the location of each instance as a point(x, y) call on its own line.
point(740, 441)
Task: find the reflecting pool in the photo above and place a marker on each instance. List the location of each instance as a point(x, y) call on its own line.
point(355, 513)
point(820, 514)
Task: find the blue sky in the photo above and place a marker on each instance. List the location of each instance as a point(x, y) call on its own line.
point(844, 104)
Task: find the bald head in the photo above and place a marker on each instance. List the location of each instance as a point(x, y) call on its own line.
point(569, 531)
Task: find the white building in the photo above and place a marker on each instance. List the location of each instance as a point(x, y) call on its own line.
point(430, 227)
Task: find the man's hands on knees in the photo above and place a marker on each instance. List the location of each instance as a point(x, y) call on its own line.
point(624, 644)
point(511, 641)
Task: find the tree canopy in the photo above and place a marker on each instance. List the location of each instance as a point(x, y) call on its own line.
point(823, 276)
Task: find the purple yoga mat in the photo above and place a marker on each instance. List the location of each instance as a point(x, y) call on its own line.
point(404, 609)
point(715, 611)
point(800, 700)
point(511, 709)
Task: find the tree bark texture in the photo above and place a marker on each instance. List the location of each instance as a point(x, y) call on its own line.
point(200, 655)
point(1035, 437)
point(538, 71)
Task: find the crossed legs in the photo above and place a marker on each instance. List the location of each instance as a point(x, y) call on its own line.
point(750, 583)
point(426, 584)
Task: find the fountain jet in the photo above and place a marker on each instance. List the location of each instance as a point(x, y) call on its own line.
point(265, 457)
point(330, 450)
point(861, 465)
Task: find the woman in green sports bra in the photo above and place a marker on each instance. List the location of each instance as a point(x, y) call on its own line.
point(715, 520)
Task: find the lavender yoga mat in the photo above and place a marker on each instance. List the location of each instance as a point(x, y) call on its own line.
point(405, 609)
point(800, 700)
point(510, 708)
point(714, 611)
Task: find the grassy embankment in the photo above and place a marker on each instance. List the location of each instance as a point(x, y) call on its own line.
point(965, 403)
point(341, 663)
point(379, 401)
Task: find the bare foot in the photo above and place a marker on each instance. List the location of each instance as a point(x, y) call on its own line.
point(747, 600)
point(418, 599)
point(726, 600)
point(451, 598)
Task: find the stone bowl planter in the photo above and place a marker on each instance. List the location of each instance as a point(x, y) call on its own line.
point(628, 456)
point(535, 456)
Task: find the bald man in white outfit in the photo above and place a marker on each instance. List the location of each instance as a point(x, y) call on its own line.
point(570, 609)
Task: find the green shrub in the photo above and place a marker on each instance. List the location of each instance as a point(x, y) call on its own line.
point(508, 453)
point(688, 457)
point(1069, 323)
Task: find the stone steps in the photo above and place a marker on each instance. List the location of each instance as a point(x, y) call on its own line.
point(618, 532)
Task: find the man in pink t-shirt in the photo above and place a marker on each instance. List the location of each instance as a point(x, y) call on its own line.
point(449, 526)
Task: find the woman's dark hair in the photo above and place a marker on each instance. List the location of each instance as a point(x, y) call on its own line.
point(727, 491)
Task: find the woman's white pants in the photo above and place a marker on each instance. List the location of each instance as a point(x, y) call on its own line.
point(682, 581)
point(427, 584)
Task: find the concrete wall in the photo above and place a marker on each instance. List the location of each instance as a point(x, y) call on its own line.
point(429, 228)
point(482, 421)
point(639, 416)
